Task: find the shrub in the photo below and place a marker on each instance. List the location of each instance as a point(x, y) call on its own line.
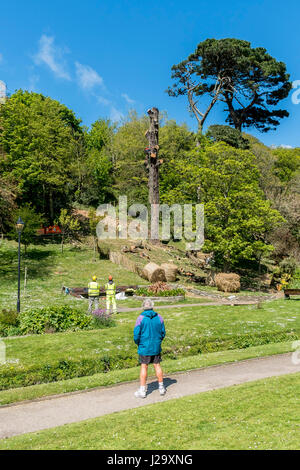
point(143, 291)
point(288, 266)
point(101, 319)
point(9, 317)
point(53, 319)
point(228, 282)
point(9, 323)
point(294, 282)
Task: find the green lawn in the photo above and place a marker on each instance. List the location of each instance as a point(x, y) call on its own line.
point(185, 327)
point(118, 376)
point(48, 270)
point(258, 415)
point(190, 331)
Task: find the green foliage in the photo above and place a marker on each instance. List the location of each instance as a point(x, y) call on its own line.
point(37, 138)
point(288, 266)
point(69, 226)
point(102, 321)
point(13, 376)
point(129, 157)
point(58, 318)
point(249, 81)
point(97, 167)
point(8, 194)
point(228, 135)
point(287, 163)
point(143, 291)
point(9, 317)
point(294, 282)
point(9, 323)
point(237, 216)
point(32, 222)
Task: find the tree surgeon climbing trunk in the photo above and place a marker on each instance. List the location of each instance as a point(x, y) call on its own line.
point(153, 164)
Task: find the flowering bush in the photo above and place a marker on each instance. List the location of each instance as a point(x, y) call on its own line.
point(159, 289)
point(101, 319)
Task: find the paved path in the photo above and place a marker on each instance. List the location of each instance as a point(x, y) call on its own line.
point(78, 406)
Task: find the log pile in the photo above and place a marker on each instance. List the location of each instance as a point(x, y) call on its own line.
point(170, 271)
point(120, 259)
point(228, 282)
point(153, 273)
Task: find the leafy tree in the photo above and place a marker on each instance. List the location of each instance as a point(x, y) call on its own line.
point(128, 153)
point(8, 193)
point(69, 226)
point(32, 222)
point(248, 80)
point(227, 134)
point(287, 163)
point(237, 217)
point(37, 138)
point(96, 165)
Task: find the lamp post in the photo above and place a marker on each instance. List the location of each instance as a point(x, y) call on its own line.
point(19, 227)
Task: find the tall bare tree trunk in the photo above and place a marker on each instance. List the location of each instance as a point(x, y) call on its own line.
point(153, 168)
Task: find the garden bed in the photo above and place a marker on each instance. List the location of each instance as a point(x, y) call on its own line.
point(289, 292)
point(174, 298)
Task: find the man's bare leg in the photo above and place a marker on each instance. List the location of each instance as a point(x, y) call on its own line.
point(158, 372)
point(160, 378)
point(143, 374)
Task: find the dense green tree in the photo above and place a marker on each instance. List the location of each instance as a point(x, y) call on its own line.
point(37, 138)
point(8, 194)
point(248, 80)
point(69, 226)
point(227, 134)
point(32, 222)
point(98, 166)
point(237, 217)
point(128, 152)
point(287, 163)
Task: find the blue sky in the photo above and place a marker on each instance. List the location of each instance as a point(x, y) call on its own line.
point(103, 57)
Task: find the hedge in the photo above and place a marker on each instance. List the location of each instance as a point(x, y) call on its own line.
point(14, 375)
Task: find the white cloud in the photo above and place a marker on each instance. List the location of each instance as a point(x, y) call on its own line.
point(126, 98)
point(115, 114)
point(52, 56)
point(281, 146)
point(87, 77)
point(33, 80)
point(103, 101)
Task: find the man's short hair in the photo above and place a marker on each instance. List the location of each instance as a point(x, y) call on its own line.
point(147, 304)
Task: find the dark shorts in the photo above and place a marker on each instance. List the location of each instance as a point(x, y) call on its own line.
point(150, 359)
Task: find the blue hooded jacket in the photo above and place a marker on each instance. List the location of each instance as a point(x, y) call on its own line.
point(149, 331)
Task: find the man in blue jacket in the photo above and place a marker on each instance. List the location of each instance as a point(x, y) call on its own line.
point(149, 331)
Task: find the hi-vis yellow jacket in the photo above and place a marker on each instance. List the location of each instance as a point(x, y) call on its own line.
point(110, 289)
point(93, 289)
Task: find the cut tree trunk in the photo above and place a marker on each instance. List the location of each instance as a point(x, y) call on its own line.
point(170, 271)
point(154, 273)
point(153, 173)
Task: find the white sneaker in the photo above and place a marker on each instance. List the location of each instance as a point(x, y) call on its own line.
point(140, 393)
point(162, 390)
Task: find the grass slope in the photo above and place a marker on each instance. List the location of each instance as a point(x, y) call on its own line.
point(259, 415)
